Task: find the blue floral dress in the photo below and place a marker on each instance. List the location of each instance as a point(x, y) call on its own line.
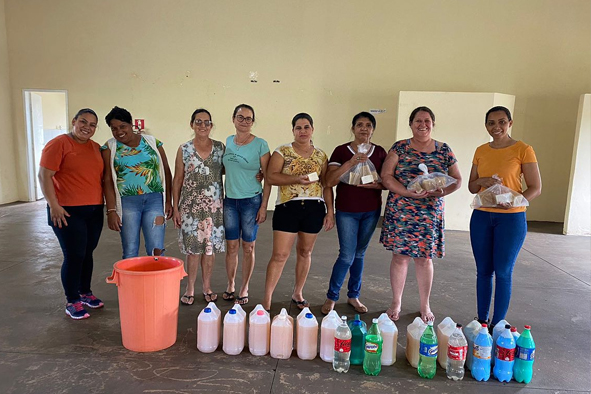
point(201, 202)
point(414, 226)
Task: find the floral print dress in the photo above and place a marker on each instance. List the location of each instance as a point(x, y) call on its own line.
point(414, 226)
point(201, 202)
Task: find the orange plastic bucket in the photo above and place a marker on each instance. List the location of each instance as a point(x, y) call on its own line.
point(148, 301)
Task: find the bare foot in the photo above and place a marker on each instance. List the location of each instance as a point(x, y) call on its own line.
point(393, 314)
point(427, 315)
point(327, 307)
point(357, 305)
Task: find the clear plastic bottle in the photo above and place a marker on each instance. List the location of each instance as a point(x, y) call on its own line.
point(524, 357)
point(457, 349)
point(482, 355)
point(358, 331)
point(428, 353)
point(342, 347)
point(372, 362)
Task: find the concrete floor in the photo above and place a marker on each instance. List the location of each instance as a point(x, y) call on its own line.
point(44, 351)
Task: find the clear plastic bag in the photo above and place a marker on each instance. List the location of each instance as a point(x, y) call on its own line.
point(498, 196)
point(430, 181)
point(362, 173)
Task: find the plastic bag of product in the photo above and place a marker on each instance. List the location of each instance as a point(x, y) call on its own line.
point(430, 181)
point(362, 173)
point(498, 196)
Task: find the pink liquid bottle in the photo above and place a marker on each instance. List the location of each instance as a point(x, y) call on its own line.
point(259, 333)
point(234, 328)
point(307, 346)
point(208, 338)
point(282, 336)
point(327, 331)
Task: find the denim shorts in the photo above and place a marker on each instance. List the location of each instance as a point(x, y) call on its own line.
point(240, 218)
point(294, 216)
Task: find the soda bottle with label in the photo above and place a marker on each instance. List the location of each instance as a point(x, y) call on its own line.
point(457, 348)
point(358, 331)
point(495, 332)
point(515, 334)
point(372, 363)
point(524, 357)
point(342, 347)
point(482, 355)
point(428, 353)
point(504, 355)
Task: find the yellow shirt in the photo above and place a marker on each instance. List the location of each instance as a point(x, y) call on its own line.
point(506, 163)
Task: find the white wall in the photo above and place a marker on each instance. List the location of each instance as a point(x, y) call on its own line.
point(577, 220)
point(459, 122)
point(8, 164)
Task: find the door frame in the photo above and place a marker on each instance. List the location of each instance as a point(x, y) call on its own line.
point(31, 188)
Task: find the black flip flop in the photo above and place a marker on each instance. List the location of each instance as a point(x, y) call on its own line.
point(241, 300)
point(190, 300)
point(210, 295)
point(228, 296)
point(301, 304)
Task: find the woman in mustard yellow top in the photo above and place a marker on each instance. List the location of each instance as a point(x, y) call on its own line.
point(497, 234)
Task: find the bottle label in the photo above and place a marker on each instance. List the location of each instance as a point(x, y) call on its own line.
point(428, 350)
point(342, 345)
point(524, 353)
point(482, 352)
point(457, 352)
point(371, 347)
point(505, 354)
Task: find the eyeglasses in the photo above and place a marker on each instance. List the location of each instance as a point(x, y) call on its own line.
point(241, 119)
point(200, 122)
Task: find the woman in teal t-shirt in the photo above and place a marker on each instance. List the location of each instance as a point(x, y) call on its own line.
point(245, 204)
point(137, 185)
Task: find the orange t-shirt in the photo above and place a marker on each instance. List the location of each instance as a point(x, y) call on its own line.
point(78, 178)
point(506, 163)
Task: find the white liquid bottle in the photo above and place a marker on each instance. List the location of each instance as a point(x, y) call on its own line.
point(390, 339)
point(259, 333)
point(282, 336)
point(307, 337)
point(327, 330)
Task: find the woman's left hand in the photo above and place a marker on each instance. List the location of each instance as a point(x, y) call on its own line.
point(168, 210)
point(436, 193)
point(328, 221)
point(261, 215)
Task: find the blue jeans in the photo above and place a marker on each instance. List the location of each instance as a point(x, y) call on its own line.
point(355, 230)
point(140, 212)
point(78, 240)
point(240, 217)
point(496, 240)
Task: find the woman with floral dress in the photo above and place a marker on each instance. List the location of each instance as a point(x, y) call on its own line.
point(198, 203)
point(413, 222)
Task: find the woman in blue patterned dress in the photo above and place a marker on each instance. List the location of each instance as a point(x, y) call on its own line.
point(413, 222)
point(198, 203)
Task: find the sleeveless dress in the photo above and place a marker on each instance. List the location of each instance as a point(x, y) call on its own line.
point(201, 202)
point(414, 226)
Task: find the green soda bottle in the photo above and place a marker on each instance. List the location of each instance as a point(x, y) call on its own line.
point(428, 353)
point(524, 357)
point(372, 363)
point(358, 330)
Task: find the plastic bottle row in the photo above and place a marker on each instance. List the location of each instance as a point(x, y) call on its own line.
point(276, 336)
point(344, 344)
point(513, 354)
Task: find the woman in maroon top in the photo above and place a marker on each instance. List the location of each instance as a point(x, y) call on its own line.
point(357, 210)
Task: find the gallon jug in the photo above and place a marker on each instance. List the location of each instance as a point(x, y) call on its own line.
point(282, 335)
point(327, 331)
point(214, 308)
point(414, 331)
point(390, 339)
point(259, 333)
point(471, 330)
point(242, 313)
point(444, 331)
point(307, 334)
point(234, 328)
point(208, 335)
point(300, 316)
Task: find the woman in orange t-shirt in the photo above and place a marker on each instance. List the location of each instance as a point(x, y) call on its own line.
point(71, 176)
point(497, 234)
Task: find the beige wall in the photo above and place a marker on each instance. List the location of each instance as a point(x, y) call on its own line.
point(8, 169)
point(161, 60)
point(54, 110)
point(577, 220)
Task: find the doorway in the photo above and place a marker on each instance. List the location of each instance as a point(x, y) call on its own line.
point(46, 117)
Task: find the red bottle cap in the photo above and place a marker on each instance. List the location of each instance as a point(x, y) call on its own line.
point(513, 329)
point(527, 327)
point(484, 325)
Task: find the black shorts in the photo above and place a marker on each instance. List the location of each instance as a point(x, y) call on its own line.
point(294, 216)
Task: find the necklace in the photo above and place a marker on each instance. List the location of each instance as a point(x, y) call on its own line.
point(239, 144)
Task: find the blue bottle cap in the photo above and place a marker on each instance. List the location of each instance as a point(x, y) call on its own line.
point(207, 310)
point(232, 311)
point(357, 323)
point(309, 316)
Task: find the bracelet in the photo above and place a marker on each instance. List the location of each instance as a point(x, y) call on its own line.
point(110, 211)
